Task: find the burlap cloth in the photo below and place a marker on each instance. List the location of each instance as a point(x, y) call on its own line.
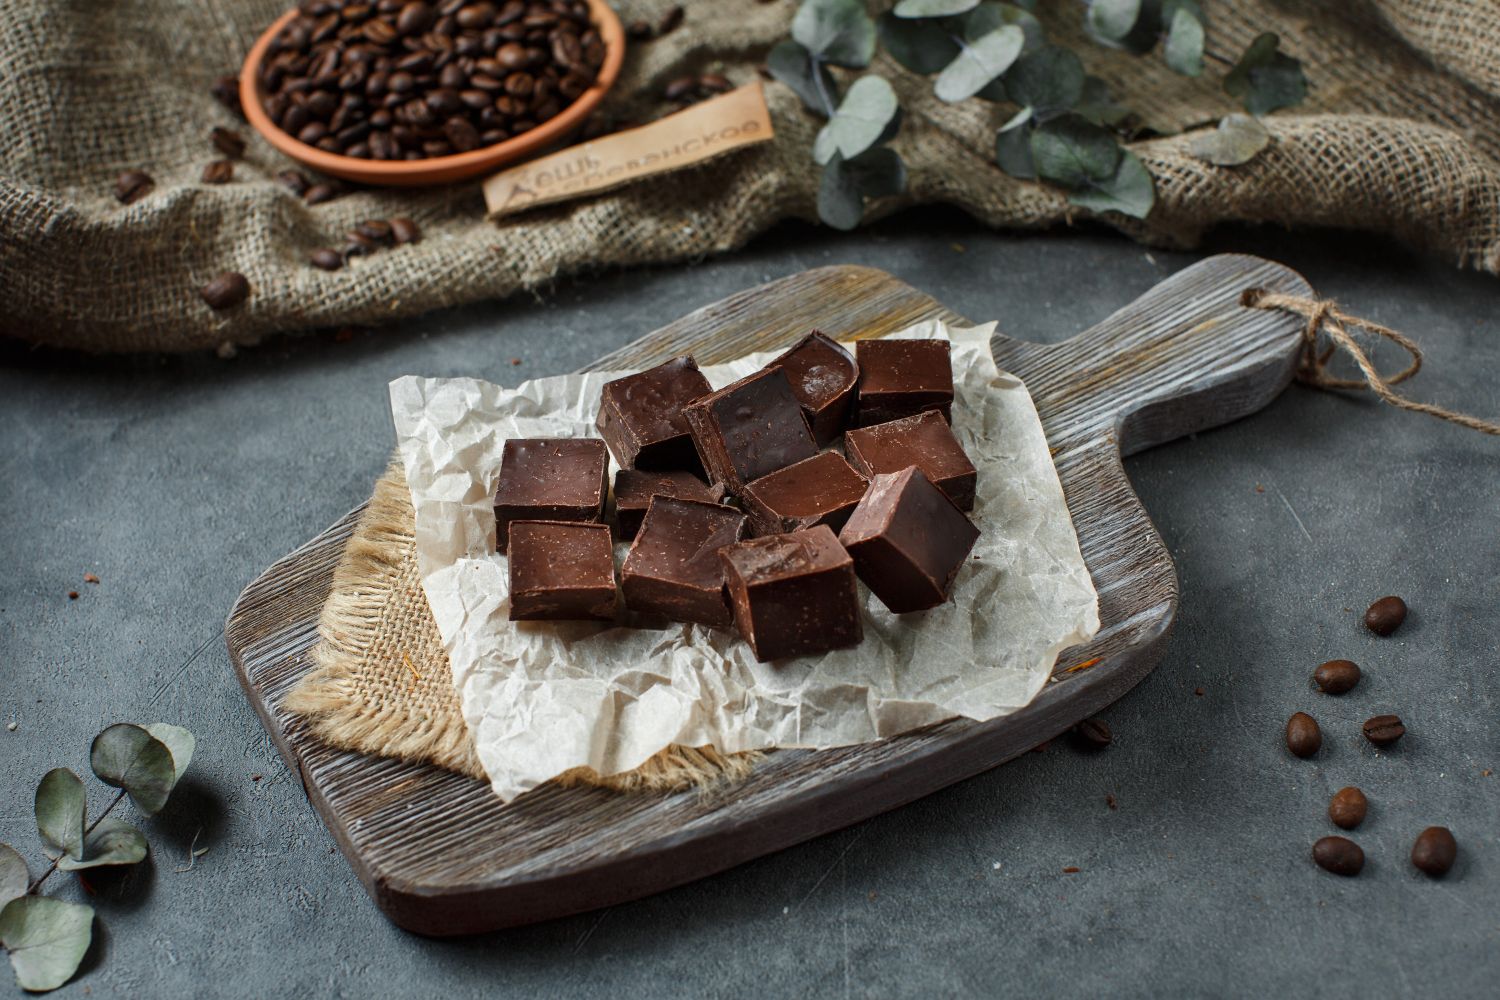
point(1398, 135)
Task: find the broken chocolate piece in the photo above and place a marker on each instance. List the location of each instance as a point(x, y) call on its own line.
point(673, 568)
point(750, 428)
point(561, 570)
point(550, 479)
point(924, 440)
point(640, 416)
point(818, 490)
point(823, 377)
point(900, 377)
point(793, 594)
point(908, 541)
point(634, 489)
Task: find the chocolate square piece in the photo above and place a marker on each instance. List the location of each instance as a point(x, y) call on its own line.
point(900, 377)
point(908, 541)
point(925, 441)
point(673, 568)
point(751, 428)
point(823, 377)
point(634, 489)
point(561, 570)
point(793, 594)
point(818, 490)
point(550, 479)
point(640, 416)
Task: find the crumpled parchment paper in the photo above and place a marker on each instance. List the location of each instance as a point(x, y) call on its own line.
point(543, 697)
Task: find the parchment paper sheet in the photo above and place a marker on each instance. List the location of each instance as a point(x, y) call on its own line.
point(543, 697)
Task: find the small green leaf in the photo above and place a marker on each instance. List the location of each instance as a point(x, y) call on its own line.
point(846, 184)
point(14, 877)
point(1129, 191)
point(794, 66)
point(1049, 81)
point(127, 756)
point(933, 8)
point(178, 741)
point(880, 173)
point(1238, 139)
point(1074, 152)
point(837, 31)
point(1265, 78)
point(921, 46)
point(978, 63)
point(46, 938)
point(1013, 147)
point(1184, 48)
point(864, 117)
point(110, 842)
point(1098, 106)
point(60, 806)
point(989, 17)
point(1112, 20)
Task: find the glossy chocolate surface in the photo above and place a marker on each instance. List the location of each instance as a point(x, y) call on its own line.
point(550, 479)
point(561, 570)
point(898, 378)
point(634, 489)
point(793, 594)
point(908, 541)
point(673, 568)
point(640, 416)
point(824, 378)
point(750, 428)
point(924, 440)
point(823, 489)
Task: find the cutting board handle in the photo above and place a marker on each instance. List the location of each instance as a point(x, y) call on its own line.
point(1184, 357)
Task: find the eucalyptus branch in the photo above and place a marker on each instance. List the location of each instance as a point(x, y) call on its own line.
point(31, 890)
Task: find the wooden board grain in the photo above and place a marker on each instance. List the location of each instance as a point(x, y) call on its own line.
point(441, 855)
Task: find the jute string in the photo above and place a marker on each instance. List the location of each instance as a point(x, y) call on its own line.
point(1323, 316)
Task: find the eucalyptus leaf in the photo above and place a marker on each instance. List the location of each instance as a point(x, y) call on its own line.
point(14, 876)
point(836, 31)
point(60, 806)
point(933, 8)
point(990, 16)
point(880, 173)
point(1266, 78)
point(978, 63)
point(794, 66)
point(846, 184)
point(863, 118)
point(1049, 81)
point(1097, 105)
point(1074, 152)
point(1113, 20)
point(127, 756)
point(921, 46)
point(179, 742)
point(1238, 139)
point(110, 842)
point(46, 938)
point(1013, 146)
point(1129, 191)
point(1184, 48)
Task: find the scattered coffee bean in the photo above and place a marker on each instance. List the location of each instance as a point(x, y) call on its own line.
point(405, 231)
point(1338, 855)
point(1303, 737)
point(356, 245)
point(1383, 730)
point(670, 22)
point(226, 291)
point(1347, 808)
point(683, 88)
point(228, 142)
point(226, 90)
point(1094, 733)
point(133, 185)
point(1435, 851)
point(319, 193)
point(640, 31)
point(378, 230)
point(327, 259)
point(1385, 615)
point(72, 595)
point(296, 180)
point(715, 83)
point(1336, 676)
point(218, 172)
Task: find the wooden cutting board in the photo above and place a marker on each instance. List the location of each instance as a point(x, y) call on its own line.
point(441, 855)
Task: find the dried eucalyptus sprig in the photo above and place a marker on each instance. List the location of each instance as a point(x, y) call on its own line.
point(47, 938)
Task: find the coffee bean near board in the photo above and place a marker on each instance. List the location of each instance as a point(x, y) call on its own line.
point(228, 142)
point(1385, 615)
point(1434, 851)
point(1336, 676)
point(295, 180)
point(404, 231)
point(226, 291)
point(218, 172)
point(1303, 737)
point(1383, 730)
point(1338, 855)
point(1094, 733)
point(1347, 808)
point(133, 185)
point(326, 259)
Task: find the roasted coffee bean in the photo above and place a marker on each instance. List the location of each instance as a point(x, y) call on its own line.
point(1093, 733)
point(230, 143)
point(1383, 730)
point(404, 230)
point(670, 21)
point(319, 193)
point(476, 15)
point(714, 83)
point(640, 31)
point(226, 291)
point(461, 135)
point(1336, 676)
point(1435, 851)
point(226, 91)
point(218, 172)
point(414, 18)
point(327, 259)
point(356, 245)
point(295, 180)
point(1347, 807)
point(1385, 615)
point(1338, 855)
point(133, 185)
point(378, 230)
point(1303, 737)
point(683, 88)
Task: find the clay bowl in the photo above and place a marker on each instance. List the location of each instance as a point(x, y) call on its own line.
point(438, 169)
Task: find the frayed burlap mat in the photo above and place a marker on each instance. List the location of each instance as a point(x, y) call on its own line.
point(1398, 136)
point(381, 683)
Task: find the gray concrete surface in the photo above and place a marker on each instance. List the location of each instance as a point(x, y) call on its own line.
point(177, 480)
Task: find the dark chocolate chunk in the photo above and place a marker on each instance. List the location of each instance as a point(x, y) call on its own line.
point(634, 489)
point(900, 377)
point(818, 490)
point(924, 440)
point(673, 568)
point(750, 428)
point(550, 479)
point(640, 416)
point(824, 377)
point(561, 570)
point(793, 594)
point(908, 541)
